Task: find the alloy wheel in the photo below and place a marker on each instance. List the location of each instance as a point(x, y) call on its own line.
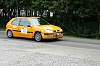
point(38, 36)
point(9, 34)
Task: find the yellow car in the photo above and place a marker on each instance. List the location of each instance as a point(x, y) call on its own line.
point(32, 27)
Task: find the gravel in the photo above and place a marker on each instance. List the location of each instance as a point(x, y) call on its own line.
point(27, 52)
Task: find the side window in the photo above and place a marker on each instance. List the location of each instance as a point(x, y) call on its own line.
point(24, 22)
point(16, 21)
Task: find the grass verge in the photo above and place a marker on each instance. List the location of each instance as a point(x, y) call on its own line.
point(2, 29)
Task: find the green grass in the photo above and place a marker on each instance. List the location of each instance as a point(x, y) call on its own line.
point(2, 29)
point(95, 38)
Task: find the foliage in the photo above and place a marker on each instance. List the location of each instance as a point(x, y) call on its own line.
point(74, 14)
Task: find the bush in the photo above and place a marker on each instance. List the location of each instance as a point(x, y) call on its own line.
point(3, 22)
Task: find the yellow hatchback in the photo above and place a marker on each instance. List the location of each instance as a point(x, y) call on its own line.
point(32, 27)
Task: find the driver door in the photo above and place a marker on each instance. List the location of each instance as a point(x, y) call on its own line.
point(25, 28)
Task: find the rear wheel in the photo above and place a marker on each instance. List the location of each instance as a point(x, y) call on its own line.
point(9, 34)
point(38, 36)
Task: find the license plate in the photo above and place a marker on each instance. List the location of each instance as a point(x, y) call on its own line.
point(58, 33)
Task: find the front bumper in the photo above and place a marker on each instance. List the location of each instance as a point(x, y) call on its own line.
point(52, 35)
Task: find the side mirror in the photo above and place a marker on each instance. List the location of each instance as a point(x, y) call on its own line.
point(29, 26)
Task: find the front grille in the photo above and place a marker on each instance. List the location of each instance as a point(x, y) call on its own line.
point(48, 33)
point(56, 30)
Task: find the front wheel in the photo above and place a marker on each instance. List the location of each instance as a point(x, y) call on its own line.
point(38, 36)
point(9, 34)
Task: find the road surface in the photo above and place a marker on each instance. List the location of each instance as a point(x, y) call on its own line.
point(63, 52)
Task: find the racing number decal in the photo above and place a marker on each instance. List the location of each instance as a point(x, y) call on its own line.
point(24, 30)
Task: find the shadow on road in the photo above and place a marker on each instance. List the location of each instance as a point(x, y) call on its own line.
point(29, 39)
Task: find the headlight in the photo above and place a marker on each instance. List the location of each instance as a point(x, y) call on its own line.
point(61, 30)
point(49, 31)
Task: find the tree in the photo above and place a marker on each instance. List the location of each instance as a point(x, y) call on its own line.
point(65, 11)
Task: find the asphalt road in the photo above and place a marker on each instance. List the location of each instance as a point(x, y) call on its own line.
point(63, 52)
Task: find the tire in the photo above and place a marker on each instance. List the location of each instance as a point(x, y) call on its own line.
point(38, 36)
point(56, 39)
point(9, 34)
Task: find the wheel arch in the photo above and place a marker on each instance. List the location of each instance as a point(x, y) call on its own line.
point(8, 30)
point(36, 32)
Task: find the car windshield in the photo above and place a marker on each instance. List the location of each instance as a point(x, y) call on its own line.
point(38, 21)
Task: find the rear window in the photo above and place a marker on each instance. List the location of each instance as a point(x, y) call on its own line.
point(16, 21)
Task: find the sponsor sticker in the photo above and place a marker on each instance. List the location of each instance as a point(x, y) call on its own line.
point(24, 30)
point(48, 27)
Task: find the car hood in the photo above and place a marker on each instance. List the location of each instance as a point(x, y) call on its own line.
point(50, 27)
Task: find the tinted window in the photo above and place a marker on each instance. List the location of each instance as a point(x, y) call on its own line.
point(16, 21)
point(24, 22)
